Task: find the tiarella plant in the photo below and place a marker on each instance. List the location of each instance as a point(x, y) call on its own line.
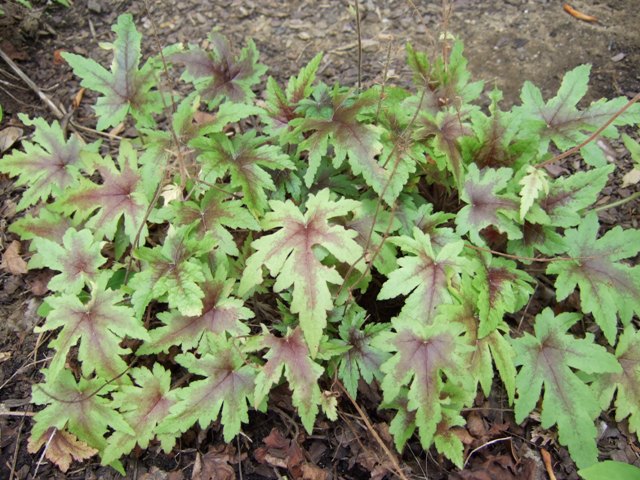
point(228, 251)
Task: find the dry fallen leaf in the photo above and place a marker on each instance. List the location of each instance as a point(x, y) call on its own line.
point(12, 262)
point(62, 448)
point(214, 465)
point(631, 178)
point(8, 137)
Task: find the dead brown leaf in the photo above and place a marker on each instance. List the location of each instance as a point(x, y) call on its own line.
point(8, 137)
point(12, 262)
point(213, 466)
point(62, 448)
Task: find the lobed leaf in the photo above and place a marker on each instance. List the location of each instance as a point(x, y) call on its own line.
point(51, 164)
point(608, 288)
point(547, 359)
point(227, 386)
point(290, 356)
point(126, 88)
point(99, 325)
point(289, 254)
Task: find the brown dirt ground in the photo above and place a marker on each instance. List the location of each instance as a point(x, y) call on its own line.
point(507, 41)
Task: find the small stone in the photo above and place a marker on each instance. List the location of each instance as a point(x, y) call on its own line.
point(94, 6)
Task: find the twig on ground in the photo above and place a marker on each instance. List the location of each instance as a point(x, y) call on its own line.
point(359, 44)
point(48, 102)
point(546, 459)
point(482, 446)
point(14, 459)
point(365, 419)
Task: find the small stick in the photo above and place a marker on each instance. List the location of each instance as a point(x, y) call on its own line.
point(359, 45)
point(52, 106)
point(377, 438)
point(546, 458)
point(482, 446)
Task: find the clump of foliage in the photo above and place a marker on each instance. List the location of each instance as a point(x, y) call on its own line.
point(209, 262)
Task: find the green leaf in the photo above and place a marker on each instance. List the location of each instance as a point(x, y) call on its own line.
point(51, 164)
point(625, 383)
point(126, 88)
point(289, 355)
point(362, 360)
point(361, 222)
point(215, 214)
point(143, 406)
point(175, 270)
point(533, 183)
point(121, 194)
point(610, 469)
point(502, 288)
point(492, 347)
point(80, 407)
point(447, 129)
point(220, 313)
point(217, 75)
point(243, 157)
point(568, 196)
point(423, 276)
point(485, 205)
point(608, 288)
point(227, 386)
point(47, 224)
point(290, 255)
point(559, 120)
point(352, 139)
point(424, 354)
point(99, 325)
point(548, 359)
point(78, 259)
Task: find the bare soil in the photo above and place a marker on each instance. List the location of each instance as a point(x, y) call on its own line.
point(507, 42)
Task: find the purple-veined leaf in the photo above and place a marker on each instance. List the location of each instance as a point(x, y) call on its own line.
point(536, 238)
point(173, 269)
point(121, 194)
point(362, 360)
point(569, 195)
point(78, 259)
point(361, 221)
point(447, 129)
point(560, 121)
point(547, 359)
point(143, 406)
point(51, 164)
point(126, 88)
point(486, 351)
point(281, 106)
point(290, 255)
point(608, 288)
point(217, 75)
point(423, 276)
point(99, 325)
point(227, 386)
point(79, 407)
point(485, 205)
point(245, 158)
point(47, 224)
point(502, 288)
point(358, 142)
point(215, 214)
point(424, 354)
point(289, 355)
point(220, 313)
point(625, 384)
